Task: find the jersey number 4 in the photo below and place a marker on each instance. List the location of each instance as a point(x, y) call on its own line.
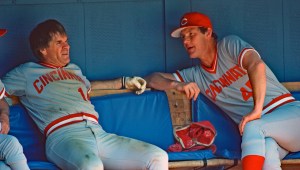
point(246, 91)
point(83, 95)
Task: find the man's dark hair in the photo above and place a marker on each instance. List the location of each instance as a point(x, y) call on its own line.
point(42, 34)
point(204, 29)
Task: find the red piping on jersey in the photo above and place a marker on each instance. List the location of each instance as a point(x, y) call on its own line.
point(2, 93)
point(68, 120)
point(49, 65)
point(213, 68)
point(179, 76)
point(278, 101)
point(6, 94)
point(242, 55)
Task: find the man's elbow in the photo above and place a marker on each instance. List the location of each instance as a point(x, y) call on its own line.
point(150, 79)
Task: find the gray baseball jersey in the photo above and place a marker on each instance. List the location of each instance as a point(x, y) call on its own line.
point(65, 87)
point(227, 83)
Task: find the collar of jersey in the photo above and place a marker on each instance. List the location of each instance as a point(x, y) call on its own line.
point(49, 65)
point(213, 68)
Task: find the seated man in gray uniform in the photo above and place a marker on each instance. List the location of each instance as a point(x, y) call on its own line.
point(55, 93)
point(233, 76)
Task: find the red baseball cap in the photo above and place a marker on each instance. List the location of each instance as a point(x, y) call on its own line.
point(2, 32)
point(192, 19)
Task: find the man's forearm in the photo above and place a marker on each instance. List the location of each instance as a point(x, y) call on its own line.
point(257, 76)
point(4, 111)
point(161, 81)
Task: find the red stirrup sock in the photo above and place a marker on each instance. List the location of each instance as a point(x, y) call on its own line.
point(253, 162)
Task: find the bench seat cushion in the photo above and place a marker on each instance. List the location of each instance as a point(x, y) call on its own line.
point(145, 117)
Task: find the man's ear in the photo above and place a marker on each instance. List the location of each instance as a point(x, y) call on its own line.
point(209, 32)
point(43, 51)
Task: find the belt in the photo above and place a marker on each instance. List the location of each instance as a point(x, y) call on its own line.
point(278, 101)
point(68, 120)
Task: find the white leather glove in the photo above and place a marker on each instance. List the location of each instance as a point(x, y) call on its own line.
point(137, 84)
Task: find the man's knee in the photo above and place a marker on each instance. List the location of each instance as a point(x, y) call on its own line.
point(84, 164)
point(90, 165)
point(158, 160)
point(11, 145)
point(161, 155)
point(90, 162)
point(12, 152)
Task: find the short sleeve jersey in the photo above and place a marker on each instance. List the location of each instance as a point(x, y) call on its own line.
point(49, 92)
point(227, 83)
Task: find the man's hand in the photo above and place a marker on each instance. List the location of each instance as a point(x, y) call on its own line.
point(4, 127)
point(247, 118)
point(4, 117)
point(137, 84)
point(191, 89)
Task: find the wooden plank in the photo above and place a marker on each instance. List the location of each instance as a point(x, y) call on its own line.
point(290, 164)
point(103, 92)
point(292, 86)
point(201, 163)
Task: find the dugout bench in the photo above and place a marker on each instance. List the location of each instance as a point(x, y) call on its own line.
point(147, 117)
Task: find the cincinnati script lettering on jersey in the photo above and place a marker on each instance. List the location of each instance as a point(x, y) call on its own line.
point(55, 75)
point(231, 75)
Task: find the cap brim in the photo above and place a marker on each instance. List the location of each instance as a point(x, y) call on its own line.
point(176, 33)
point(2, 32)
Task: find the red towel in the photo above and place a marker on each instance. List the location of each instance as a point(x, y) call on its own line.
point(196, 136)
